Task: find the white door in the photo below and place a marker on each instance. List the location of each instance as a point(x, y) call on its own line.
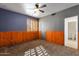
point(71, 32)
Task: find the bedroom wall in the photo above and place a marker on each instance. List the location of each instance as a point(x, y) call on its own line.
point(13, 28)
point(52, 27)
point(10, 21)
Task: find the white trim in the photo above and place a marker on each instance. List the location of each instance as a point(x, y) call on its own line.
point(70, 19)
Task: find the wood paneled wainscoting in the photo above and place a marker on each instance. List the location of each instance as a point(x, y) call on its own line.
point(55, 37)
point(12, 38)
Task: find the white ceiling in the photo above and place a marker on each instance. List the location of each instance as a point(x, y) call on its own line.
point(27, 8)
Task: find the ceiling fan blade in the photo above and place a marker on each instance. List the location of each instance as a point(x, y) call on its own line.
point(42, 6)
point(37, 5)
point(41, 11)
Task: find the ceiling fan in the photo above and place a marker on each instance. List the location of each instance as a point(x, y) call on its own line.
point(38, 8)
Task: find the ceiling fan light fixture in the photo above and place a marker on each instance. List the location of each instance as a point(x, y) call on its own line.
point(37, 9)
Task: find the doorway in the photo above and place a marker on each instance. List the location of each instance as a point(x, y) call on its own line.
point(71, 32)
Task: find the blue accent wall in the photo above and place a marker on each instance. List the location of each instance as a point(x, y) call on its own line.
point(11, 21)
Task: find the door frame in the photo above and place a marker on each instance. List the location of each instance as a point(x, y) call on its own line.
point(70, 19)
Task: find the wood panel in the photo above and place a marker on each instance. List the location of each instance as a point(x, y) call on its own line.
point(55, 37)
point(12, 38)
point(39, 35)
